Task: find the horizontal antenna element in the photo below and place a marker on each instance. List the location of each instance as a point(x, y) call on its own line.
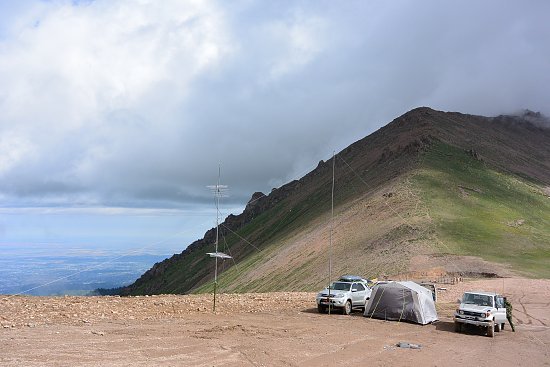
point(219, 255)
point(219, 191)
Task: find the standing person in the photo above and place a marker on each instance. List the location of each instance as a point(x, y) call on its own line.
point(509, 309)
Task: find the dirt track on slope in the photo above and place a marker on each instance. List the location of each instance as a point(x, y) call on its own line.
point(275, 329)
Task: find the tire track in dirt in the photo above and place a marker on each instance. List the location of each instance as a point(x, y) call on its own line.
point(524, 311)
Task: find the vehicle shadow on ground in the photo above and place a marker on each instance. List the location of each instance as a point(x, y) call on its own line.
point(449, 326)
point(335, 312)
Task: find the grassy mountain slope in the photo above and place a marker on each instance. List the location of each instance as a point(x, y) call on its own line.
point(483, 212)
point(430, 189)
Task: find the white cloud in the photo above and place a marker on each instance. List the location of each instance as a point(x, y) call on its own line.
point(14, 149)
point(129, 103)
point(297, 39)
point(86, 86)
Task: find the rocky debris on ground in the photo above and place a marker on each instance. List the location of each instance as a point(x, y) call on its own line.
point(31, 311)
point(405, 345)
point(516, 223)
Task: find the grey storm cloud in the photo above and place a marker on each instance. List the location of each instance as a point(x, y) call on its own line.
point(123, 103)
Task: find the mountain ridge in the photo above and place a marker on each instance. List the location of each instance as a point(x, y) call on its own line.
point(514, 145)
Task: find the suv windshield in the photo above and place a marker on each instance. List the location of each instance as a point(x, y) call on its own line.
point(338, 286)
point(477, 299)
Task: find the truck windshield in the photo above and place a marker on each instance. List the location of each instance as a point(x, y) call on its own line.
point(338, 286)
point(477, 299)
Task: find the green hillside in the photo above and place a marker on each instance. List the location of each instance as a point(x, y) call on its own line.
point(431, 190)
point(481, 212)
point(462, 207)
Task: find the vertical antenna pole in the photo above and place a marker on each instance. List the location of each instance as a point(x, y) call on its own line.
point(330, 237)
point(217, 236)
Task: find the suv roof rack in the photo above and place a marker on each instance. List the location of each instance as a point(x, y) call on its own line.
point(351, 278)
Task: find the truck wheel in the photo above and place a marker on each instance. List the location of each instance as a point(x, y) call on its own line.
point(502, 326)
point(497, 327)
point(491, 330)
point(321, 309)
point(347, 308)
point(458, 327)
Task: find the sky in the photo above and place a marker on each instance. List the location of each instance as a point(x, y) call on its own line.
point(115, 115)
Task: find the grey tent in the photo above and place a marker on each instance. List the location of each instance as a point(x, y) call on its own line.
point(399, 301)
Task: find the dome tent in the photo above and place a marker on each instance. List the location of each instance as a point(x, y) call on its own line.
point(398, 301)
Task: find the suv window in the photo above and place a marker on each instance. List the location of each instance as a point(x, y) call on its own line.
point(340, 286)
point(359, 287)
point(478, 299)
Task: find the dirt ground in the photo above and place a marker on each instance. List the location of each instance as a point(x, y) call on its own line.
point(276, 329)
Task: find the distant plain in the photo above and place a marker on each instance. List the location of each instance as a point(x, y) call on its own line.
point(40, 271)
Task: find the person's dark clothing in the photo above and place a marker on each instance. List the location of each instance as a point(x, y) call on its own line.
point(509, 309)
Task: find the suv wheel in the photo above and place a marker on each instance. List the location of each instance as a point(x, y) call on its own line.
point(321, 309)
point(347, 308)
point(497, 328)
point(491, 330)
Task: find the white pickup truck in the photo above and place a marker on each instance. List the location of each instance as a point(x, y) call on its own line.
point(482, 309)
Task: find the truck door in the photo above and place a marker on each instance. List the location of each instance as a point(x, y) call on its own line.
point(500, 316)
point(358, 294)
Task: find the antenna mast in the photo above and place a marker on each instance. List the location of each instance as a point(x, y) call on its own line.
point(330, 237)
point(219, 191)
point(217, 235)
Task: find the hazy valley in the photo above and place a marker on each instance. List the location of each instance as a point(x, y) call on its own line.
point(42, 272)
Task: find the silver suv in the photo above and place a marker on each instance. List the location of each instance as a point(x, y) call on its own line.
point(347, 293)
